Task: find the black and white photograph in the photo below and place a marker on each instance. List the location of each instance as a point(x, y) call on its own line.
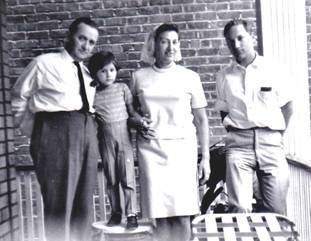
point(155, 120)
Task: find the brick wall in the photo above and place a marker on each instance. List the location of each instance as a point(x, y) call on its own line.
point(8, 200)
point(37, 26)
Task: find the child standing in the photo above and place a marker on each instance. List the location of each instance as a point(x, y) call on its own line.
point(113, 105)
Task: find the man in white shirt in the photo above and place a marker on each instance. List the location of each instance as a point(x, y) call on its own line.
point(255, 102)
point(55, 89)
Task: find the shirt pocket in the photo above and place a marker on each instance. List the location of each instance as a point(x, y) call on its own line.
point(267, 96)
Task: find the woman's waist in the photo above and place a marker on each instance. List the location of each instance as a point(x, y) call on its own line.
point(171, 131)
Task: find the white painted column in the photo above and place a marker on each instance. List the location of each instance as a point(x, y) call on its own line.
point(284, 38)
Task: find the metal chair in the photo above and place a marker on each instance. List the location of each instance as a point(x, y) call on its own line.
point(243, 227)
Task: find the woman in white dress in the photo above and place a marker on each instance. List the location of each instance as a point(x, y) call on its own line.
point(171, 99)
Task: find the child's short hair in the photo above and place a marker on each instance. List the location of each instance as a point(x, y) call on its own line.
point(99, 60)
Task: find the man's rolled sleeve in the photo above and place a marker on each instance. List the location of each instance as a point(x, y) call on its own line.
point(23, 89)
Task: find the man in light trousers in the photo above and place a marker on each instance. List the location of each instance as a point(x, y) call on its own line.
point(255, 102)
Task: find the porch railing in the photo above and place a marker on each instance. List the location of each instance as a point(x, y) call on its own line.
point(31, 208)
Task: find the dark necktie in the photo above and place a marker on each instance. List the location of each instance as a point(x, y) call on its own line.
point(85, 106)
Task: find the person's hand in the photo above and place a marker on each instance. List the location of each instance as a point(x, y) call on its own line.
point(204, 170)
point(145, 130)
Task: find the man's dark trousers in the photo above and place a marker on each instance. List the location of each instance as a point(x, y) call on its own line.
point(65, 153)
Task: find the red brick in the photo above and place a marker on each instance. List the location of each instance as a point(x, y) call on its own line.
point(205, 16)
point(183, 1)
point(210, 86)
point(90, 5)
point(182, 17)
point(195, 61)
point(55, 34)
point(113, 4)
point(207, 51)
point(206, 1)
point(197, 25)
point(131, 47)
point(138, 20)
point(56, 16)
point(21, 9)
point(126, 12)
point(12, 2)
point(138, 37)
point(195, 8)
point(217, 6)
point(148, 10)
point(26, 27)
point(211, 34)
point(205, 78)
point(188, 53)
point(103, 13)
point(115, 21)
point(38, 35)
point(15, 19)
point(241, 5)
point(136, 3)
point(53, 24)
point(79, 14)
point(228, 15)
point(182, 26)
point(188, 35)
point(17, 35)
point(160, 18)
point(211, 68)
point(109, 31)
point(131, 29)
point(160, 2)
point(171, 9)
point(130, 65)
point(134, 56)
point(28, 2)
point(47, 7)
point(248, 14)
point(70, 6)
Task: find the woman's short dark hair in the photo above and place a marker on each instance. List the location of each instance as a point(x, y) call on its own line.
point(235, 22)
point(99, 60)
point(165, 27)
point(74, 25)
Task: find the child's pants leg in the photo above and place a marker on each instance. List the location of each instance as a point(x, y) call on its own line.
point(127, 170)
point(107, 149)
point(117, 154)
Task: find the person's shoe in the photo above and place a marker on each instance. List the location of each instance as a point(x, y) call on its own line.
point(115, 219)
point(131, 222)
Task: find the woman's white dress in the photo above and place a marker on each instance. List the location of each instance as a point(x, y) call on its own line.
point(168, 163)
